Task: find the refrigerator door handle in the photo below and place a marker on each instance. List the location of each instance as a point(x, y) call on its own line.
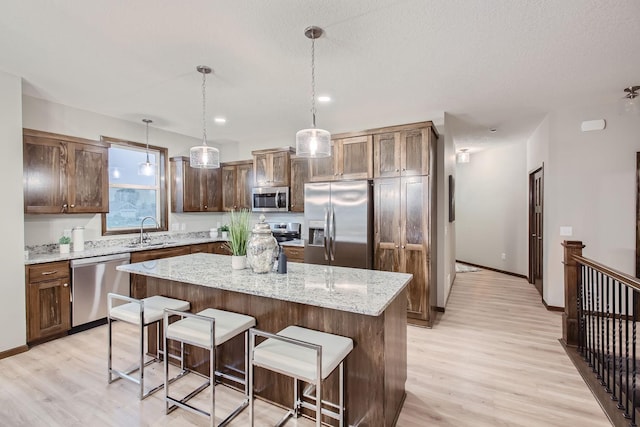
point(333, 235)
point(325, 238)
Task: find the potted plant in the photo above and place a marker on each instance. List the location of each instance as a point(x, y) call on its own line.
point(65, 243)
point(238, 237)
point(224, 230)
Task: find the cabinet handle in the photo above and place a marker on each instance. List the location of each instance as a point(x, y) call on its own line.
point(402, 246)
point(205, 206)
point(49, 273)
point(397, 170)
point(72, 206)
point(66, 285)
point(64, 208)
point(397, 246)
point(404, 169)
point(341, 174)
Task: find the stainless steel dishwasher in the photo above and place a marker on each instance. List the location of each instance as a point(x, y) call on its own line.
point(91, 280)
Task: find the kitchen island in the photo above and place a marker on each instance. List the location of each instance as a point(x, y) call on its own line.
point(366, 305)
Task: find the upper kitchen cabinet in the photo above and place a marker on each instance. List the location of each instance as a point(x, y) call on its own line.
point(194, 190)
point(351, 158)
point(299, 177)
point(271, 167)
point(403, 151)
point(64, 174)
point(237, 182)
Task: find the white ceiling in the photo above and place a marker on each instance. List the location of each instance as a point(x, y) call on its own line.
point(489, 63)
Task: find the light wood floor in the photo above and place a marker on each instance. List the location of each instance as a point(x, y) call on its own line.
point(493, 359)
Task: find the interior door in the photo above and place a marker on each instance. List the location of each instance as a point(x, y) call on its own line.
point(536, 204)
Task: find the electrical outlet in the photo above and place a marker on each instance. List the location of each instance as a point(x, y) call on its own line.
point(503, 256)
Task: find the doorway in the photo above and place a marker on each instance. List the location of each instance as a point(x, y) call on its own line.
point(536, 204)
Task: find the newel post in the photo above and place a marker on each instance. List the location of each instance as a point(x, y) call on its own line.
point(571, 274)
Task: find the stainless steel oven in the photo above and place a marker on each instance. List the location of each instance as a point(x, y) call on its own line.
point(270, 199)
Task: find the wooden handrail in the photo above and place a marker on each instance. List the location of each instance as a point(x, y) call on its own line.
point(623, 278)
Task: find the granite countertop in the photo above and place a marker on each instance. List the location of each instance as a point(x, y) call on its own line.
point(295, 242)
point(353, 290)
point(116, 248)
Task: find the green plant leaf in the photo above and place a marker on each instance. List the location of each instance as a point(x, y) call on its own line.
point(239, 232)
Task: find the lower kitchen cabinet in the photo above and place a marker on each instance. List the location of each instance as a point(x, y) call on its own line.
point(220, 248)
point(48, 297)
point(294, 253)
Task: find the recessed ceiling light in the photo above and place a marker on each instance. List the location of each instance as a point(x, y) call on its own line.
point(324, 98)
point(493, 130)
point(220, 120)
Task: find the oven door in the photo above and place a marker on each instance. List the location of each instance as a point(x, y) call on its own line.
point(270, 199)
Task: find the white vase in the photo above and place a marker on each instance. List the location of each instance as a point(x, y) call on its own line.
point(238, 262)
point(64, 248)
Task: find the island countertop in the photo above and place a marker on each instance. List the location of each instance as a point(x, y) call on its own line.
point(352, 290)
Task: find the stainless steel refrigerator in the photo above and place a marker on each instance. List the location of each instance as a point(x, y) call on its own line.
point(339, 222)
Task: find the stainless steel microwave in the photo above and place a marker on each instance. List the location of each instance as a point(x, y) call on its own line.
point(270, 199)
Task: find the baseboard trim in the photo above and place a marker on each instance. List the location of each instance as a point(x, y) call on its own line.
point(13, 351)
point(551, 307)
point(522, 276)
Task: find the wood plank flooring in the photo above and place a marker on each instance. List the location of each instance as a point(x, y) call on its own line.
point(493, 359)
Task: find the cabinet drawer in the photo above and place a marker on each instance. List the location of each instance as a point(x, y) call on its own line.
point(294, 253)
point(48, 271)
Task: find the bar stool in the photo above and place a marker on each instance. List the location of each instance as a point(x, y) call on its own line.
point(207, 329)
point(305, 355)
point(142, 313)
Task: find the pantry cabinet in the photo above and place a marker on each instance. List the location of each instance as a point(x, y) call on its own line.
point(48, 298)
point(271, 167)
point(194, 189)
point(403, 152)
point(299, 177)
point(64, 174)
point(237, 182)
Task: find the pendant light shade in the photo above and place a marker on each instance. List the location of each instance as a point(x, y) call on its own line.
point(146, 168)
point(313, 142)
point(204, 156)
point(463, 156)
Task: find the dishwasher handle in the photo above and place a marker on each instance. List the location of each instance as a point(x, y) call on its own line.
point(99, 260)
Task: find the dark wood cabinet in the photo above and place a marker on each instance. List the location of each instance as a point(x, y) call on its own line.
point(403, 239)
point(294, 253)
point(64, 174)
point(137, 282)
point(237, 182)
point(299, 177)
point(351, 158)
point(220, 248)
point(271, 167)
point(194, 190)
point(48, 297)
point(404, 152)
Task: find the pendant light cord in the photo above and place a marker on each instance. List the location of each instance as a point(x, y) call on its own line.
point(313, 82)
point(147, 135)
point(204, 105)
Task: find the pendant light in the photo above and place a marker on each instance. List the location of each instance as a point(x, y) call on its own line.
point(313, 142)
point(463, 156)
point(204, 156)
point(146, 168)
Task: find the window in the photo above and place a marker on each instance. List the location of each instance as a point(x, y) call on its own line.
point(133, 196)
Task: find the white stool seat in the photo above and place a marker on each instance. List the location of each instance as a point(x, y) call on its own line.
point(298, 361)
point(153, 309)
point(198, 331)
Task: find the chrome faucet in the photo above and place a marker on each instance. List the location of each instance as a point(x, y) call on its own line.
point(142, 239)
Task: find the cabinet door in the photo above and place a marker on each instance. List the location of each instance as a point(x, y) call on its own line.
point(220, 248)
point(48, 308)
point(299, 176)
point(354, 159)
point(387, 225)
point(280, 169)
point(261, 169)
point(212, 199)
point(244, 185)
point(386, 155)
point(201, 248)
point(87, 168)
point(415, 217)
point(323, 169)
point(415, 149)
point(229, 199)
point(192, 191)
point(294, 253)
point(45, 178)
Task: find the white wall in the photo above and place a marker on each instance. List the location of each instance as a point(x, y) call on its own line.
point(12, 303)
point(491, 208)
point(446, 231)
point(590, 185)
point(51, 117)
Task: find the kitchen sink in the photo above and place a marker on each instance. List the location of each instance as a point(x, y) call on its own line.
point(150, 245)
